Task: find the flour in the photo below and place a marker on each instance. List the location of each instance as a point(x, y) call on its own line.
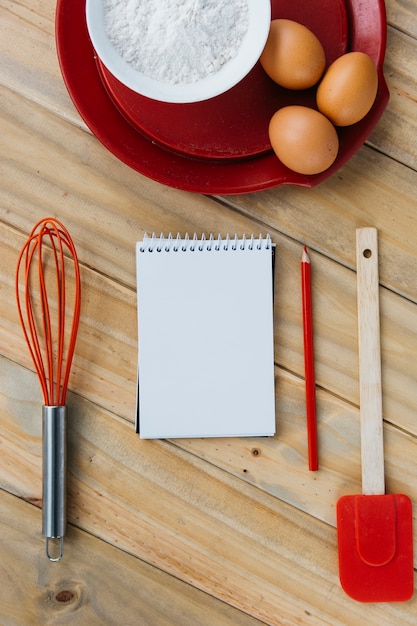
point(176, 41)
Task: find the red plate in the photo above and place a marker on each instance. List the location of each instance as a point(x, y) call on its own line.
point(219, 146)
point(235, 124)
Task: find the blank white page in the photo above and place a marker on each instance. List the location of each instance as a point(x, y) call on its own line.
point(206, 344)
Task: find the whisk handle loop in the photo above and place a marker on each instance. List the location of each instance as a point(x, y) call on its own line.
point(54, 440)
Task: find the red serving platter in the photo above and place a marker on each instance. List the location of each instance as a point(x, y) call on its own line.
point(221, 145)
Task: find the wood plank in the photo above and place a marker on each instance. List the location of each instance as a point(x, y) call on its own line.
point(367, 191)
point(276, 465)
point(401, 14)
point(53, 169)
point(67, 173)
point(104, 368)
point(196, 522)
point(95, 582)
point(399, 118)
point(29, 63)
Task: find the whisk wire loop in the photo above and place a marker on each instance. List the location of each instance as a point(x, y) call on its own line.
point(51, 363)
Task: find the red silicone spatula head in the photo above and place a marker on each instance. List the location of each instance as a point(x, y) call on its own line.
point(375, 541)
point(375, 535)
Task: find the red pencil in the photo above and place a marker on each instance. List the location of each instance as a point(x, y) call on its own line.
point(313, 463)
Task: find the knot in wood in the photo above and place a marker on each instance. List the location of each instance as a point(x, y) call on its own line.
point(64, 596)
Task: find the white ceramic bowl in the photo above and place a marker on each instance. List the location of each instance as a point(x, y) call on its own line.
point(213, 85)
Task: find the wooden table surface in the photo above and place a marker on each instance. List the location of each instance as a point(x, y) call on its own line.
point(197, 532)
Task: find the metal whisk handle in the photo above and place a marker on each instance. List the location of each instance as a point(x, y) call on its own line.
point(54, 439)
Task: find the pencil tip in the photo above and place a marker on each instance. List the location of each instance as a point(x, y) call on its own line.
point(305, 258)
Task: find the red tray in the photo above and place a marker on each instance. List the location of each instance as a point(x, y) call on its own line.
point(219, 146)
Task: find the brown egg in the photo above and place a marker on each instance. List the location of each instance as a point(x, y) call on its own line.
point(303, 139)
point(293, 56)
point(348, 89)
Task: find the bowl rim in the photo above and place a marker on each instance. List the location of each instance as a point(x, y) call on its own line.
point(229, 75)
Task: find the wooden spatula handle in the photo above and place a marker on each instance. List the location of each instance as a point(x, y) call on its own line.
point(372, 444)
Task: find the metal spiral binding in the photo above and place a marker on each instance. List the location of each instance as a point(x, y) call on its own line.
point(194, 244)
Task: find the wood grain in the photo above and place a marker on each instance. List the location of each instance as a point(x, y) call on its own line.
point(199, 523)
point(79, 590)
point(369, 345)
point(222, 531)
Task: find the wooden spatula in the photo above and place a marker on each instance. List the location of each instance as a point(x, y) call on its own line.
point(375, 535)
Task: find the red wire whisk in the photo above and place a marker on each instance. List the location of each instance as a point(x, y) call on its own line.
point(48, 294)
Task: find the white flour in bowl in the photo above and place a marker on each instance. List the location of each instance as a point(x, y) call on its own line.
point(176, 41)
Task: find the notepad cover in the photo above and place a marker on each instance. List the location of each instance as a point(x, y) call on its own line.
point(205, 331)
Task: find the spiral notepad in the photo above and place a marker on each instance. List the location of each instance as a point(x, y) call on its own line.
point(206, 344)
